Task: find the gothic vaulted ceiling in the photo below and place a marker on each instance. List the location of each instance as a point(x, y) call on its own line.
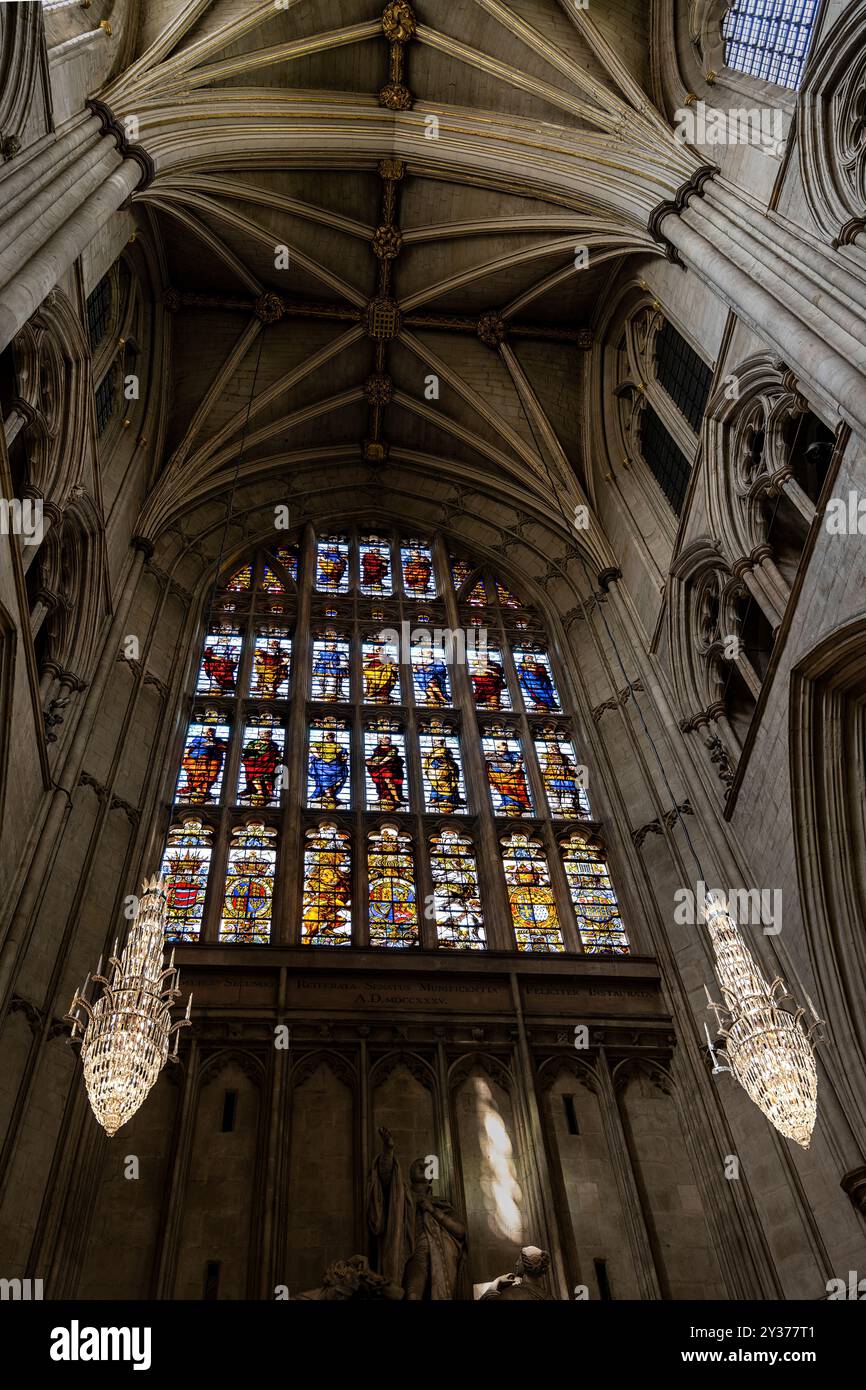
point(379, 221)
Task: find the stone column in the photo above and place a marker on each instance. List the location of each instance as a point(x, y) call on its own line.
point(61, 801)
point(56, 203)
point(772, 279)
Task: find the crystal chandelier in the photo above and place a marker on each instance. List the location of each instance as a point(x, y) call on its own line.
point(125, 1042)
point(767, 1048)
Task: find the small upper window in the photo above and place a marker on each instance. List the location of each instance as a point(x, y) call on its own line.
point(669, 465)
point(685, 377)
point(769, 39)
point(99, 311)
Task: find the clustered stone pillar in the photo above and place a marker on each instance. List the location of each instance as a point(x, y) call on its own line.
point(56, 203)
point(789, 288)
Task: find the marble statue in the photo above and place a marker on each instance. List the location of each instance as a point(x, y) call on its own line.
point(526, 1283)
point(421, 1242)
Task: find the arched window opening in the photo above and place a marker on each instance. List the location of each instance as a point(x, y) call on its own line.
point(684, 375)
point(667, 462)
point(769, 39)
point(367, 712)
point(98, 307)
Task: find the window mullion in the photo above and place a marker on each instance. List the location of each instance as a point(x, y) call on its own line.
point(290, 864)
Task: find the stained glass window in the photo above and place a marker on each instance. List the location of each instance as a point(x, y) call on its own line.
point(185, 868)
point(594, 899)
point(456, 895)
point(489, 682)
point(249, 893)
point(327, 904)
point(369, 766)
point(769, 39)
point(391, 878)
point(376, 578)
point(204, 753)
point(444, 788)
point(272, 663)
point(289, 559)
point(506, 597)
point(563, 777)
point(332, 565)
point(533, 905)
point(241, 580)
point(430, 676)
point(536, 680)
point(220, 661)
point(477, 596)
point(261, 777)
point(385, 763)
point(328, 782)
point(419, 580)
point(506, 773)
point(460, 571)
point(331, 667)
point(380, 673)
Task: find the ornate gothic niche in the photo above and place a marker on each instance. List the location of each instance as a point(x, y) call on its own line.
point(828, 772)
point(705, 33)
point(767, 458)
point(8, 647)
point(50, 412)
point(414, 1064)
point(464, 1066)
point(117, 336)
point(66, 588)
point(832, 139)
point(716, 694)
point(565, 1065)
point(337, 1062)
point(20, 66)
point(651, 1076)
point(628, 383)
point(250, 1064)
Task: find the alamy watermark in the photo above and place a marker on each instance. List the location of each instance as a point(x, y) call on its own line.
point(756, 907)
point(455, 642)
point(700, 124)
point(22, 518)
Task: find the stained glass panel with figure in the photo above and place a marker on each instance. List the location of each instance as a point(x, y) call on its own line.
point(375, 561)
point(332, 565)
point(380, 673)
point(328, 784)
point(487, 674)
point(203, 760)
point(185, 867)
point(456, 896)
point(430, 676)
point(594, 899)
point(261, 771)
point(563, 777)
point(444, 787)
point(392, 897)
point(419, 579)
point(327, 904)
point(248, 902)
point(220, 661)
point(535, 675)
point(331, 667)
point(272, 663)
point(533, 905)
point(385, 764)
point(506, 774)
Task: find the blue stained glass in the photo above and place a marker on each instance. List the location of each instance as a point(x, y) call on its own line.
point(328, 782)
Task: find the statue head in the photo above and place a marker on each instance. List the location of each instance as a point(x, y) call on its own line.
point(418, 1179)
point(532, 1262)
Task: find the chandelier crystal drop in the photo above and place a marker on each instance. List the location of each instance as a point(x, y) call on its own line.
point(767, 1048)
point(125, 1041)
